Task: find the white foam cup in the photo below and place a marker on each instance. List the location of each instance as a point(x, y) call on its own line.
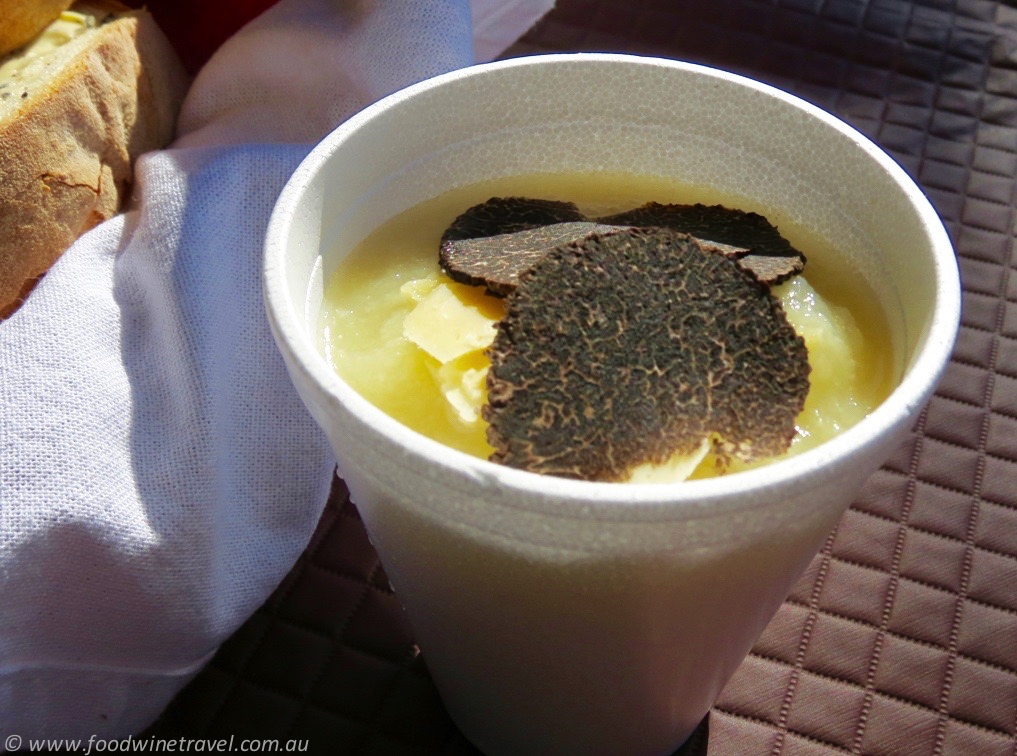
point(570, 617)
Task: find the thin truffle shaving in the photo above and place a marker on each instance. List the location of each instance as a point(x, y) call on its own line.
point(497, 261)
point(492, 243)
point(631, 346)
point(747, 237)
point(506, 215)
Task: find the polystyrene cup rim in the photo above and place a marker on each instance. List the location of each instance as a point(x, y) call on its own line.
point(810, 468)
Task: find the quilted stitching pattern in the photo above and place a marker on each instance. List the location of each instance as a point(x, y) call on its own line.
point(902, 636)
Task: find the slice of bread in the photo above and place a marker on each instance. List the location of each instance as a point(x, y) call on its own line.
point(78, 104)
point(24, 19)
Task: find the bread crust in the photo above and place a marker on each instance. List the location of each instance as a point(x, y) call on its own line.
point(24, 19)
point(66, 157)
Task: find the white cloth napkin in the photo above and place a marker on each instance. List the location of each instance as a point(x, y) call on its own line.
point(158, 474)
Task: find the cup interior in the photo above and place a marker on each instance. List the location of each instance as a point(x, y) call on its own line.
point(782, 157)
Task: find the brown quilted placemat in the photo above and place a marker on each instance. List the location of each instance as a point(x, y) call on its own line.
point(902, 636)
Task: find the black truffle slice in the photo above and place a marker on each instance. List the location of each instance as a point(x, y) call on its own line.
point(491, 243)
point(506, 215)
point(630, 346)
point(772, 269)
point(747, 237)
point(497, 261)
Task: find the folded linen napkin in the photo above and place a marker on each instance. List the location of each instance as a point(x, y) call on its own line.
point(158, 474)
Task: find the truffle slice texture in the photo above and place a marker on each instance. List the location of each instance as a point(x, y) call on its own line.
point(632, 346)
point(747, 237)
point(497, 261)
point(772, 269)
point(505, 215)
point(491, 243)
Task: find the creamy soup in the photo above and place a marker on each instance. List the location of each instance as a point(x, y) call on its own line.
point(412, 342)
